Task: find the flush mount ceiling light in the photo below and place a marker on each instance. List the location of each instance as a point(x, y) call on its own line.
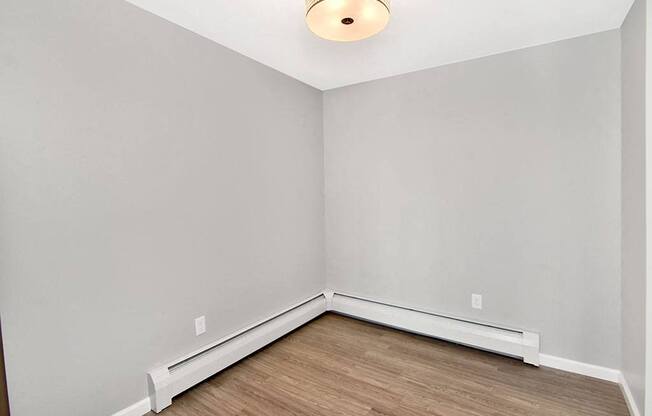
point(347, 20)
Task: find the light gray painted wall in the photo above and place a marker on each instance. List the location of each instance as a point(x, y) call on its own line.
point(648, 207)
point(147, 176)
point(499, 176)
point(633, 201)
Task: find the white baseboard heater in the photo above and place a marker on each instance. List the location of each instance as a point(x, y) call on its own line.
point(511, 342)
point(171, 379)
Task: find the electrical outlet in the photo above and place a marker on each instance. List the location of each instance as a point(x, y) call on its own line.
point(476, 301)
point(200, 325)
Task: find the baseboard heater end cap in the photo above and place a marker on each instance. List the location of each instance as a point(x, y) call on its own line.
point(531, 348)
point(160, 388)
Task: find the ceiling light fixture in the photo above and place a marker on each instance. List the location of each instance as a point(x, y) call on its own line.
point(347, 20)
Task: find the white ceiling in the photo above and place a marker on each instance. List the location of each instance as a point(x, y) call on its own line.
point(421, 34)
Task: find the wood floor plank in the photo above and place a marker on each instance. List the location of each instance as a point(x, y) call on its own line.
point(344, 367)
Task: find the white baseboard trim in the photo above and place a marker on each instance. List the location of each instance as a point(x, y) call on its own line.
point(175, 377)
point(512, 342)
point(137, 409)
point(629, 397)
point(590, 370)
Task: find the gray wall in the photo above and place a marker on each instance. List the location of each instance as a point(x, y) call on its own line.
point(633, 200)
point(498, 176)
point(147, 176)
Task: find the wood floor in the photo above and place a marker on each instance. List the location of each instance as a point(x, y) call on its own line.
point(340, 366)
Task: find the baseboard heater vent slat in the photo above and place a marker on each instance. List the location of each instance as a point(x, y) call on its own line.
point(171, 379)
point(506, 341)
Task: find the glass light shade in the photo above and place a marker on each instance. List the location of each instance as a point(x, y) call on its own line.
point(347, 20)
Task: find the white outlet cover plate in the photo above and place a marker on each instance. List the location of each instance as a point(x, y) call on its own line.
point(200, 325)
point(476, 301)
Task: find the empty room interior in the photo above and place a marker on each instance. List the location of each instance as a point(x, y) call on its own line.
point(325, 207)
